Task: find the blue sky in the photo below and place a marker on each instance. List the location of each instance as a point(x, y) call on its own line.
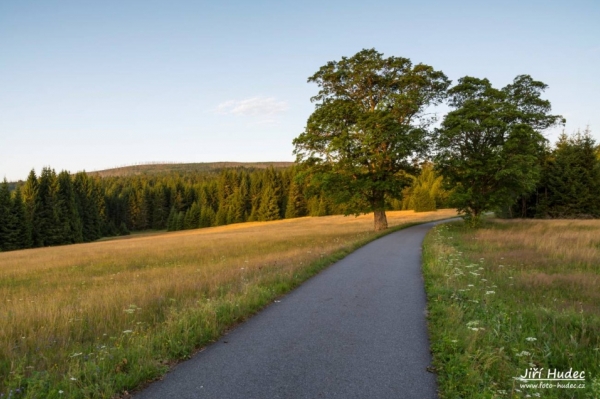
point(93, 85)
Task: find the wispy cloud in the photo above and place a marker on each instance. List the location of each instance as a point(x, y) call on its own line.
point(265, 109)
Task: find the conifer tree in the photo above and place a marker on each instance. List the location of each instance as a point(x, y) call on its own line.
point(179, 221)
point(5, 208)
point(235, 211)
point(47, 219)
point(29, 193)
point(89, 206)
point(160, 210)
point(296, 204)
point(69, 227)
point(172, 220)
point(255, 196)
point(207, 216)
point(269, 209)
point(19, 230)
point(192, 217)
point(221, 217)
point(574, 178)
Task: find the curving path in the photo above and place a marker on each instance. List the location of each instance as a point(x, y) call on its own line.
point(356, 330)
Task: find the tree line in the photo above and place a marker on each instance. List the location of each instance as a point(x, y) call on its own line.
point(568, 184)
point(54, 209)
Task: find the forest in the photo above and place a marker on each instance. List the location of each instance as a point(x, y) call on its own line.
point(64, 208)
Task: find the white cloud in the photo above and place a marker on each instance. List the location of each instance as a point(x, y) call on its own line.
point(255, 106)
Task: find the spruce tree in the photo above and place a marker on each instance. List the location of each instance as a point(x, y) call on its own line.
point(19, 229)
point(269, 209)
point(160, 209)
point(192, 217)
point(88, 200)
point(47, 221)
point(296, 204)
point(69, 227)
point(207, 216)
point(255, 196)
point(172, 220)
point(29, 192)
point(5, 208)
point(574, 178)
point(235, 208)
point(179, 221)
point(221, 217)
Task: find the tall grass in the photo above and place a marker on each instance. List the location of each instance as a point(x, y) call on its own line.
point(94, 320)
point(512, 296)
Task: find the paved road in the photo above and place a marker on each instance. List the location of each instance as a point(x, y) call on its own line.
point(356, 330)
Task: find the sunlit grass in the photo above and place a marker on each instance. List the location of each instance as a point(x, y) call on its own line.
point(510, 296)
point(90, 320)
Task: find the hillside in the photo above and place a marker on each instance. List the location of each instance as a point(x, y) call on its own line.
point(154, 169)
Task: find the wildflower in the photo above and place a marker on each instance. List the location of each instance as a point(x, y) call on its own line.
point(73, 379)
point(127, 331)
point(523, 353)
point(60, 392)
point(454, 341)
point(76, 354)
point(490, 292)
point(483, 279)
point(530, 339)
point(471, 285)
point(537, 394)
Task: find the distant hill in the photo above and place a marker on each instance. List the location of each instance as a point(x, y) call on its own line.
point(154, 169)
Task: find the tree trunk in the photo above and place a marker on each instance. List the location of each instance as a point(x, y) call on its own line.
point(380, 220)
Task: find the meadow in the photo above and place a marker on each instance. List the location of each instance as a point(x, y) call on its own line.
point(515, 295)
point(96, 320)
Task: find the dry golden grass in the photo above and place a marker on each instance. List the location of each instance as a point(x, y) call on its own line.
point(541, 241)
point(58, 300)
point(549, 255)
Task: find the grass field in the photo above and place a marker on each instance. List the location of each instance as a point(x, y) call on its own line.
point(513, 296)
point(95, 320)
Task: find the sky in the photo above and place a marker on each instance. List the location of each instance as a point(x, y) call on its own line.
point(95, 85)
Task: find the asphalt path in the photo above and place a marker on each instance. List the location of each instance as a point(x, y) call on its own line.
point(356, 330)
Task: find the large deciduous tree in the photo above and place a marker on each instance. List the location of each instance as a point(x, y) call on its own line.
point(489, 144)
point(369, 124)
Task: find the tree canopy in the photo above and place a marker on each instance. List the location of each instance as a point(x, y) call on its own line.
point(488, 146)
point(368, 127)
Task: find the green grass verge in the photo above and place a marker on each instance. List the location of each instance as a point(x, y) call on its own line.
point(487, 327)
